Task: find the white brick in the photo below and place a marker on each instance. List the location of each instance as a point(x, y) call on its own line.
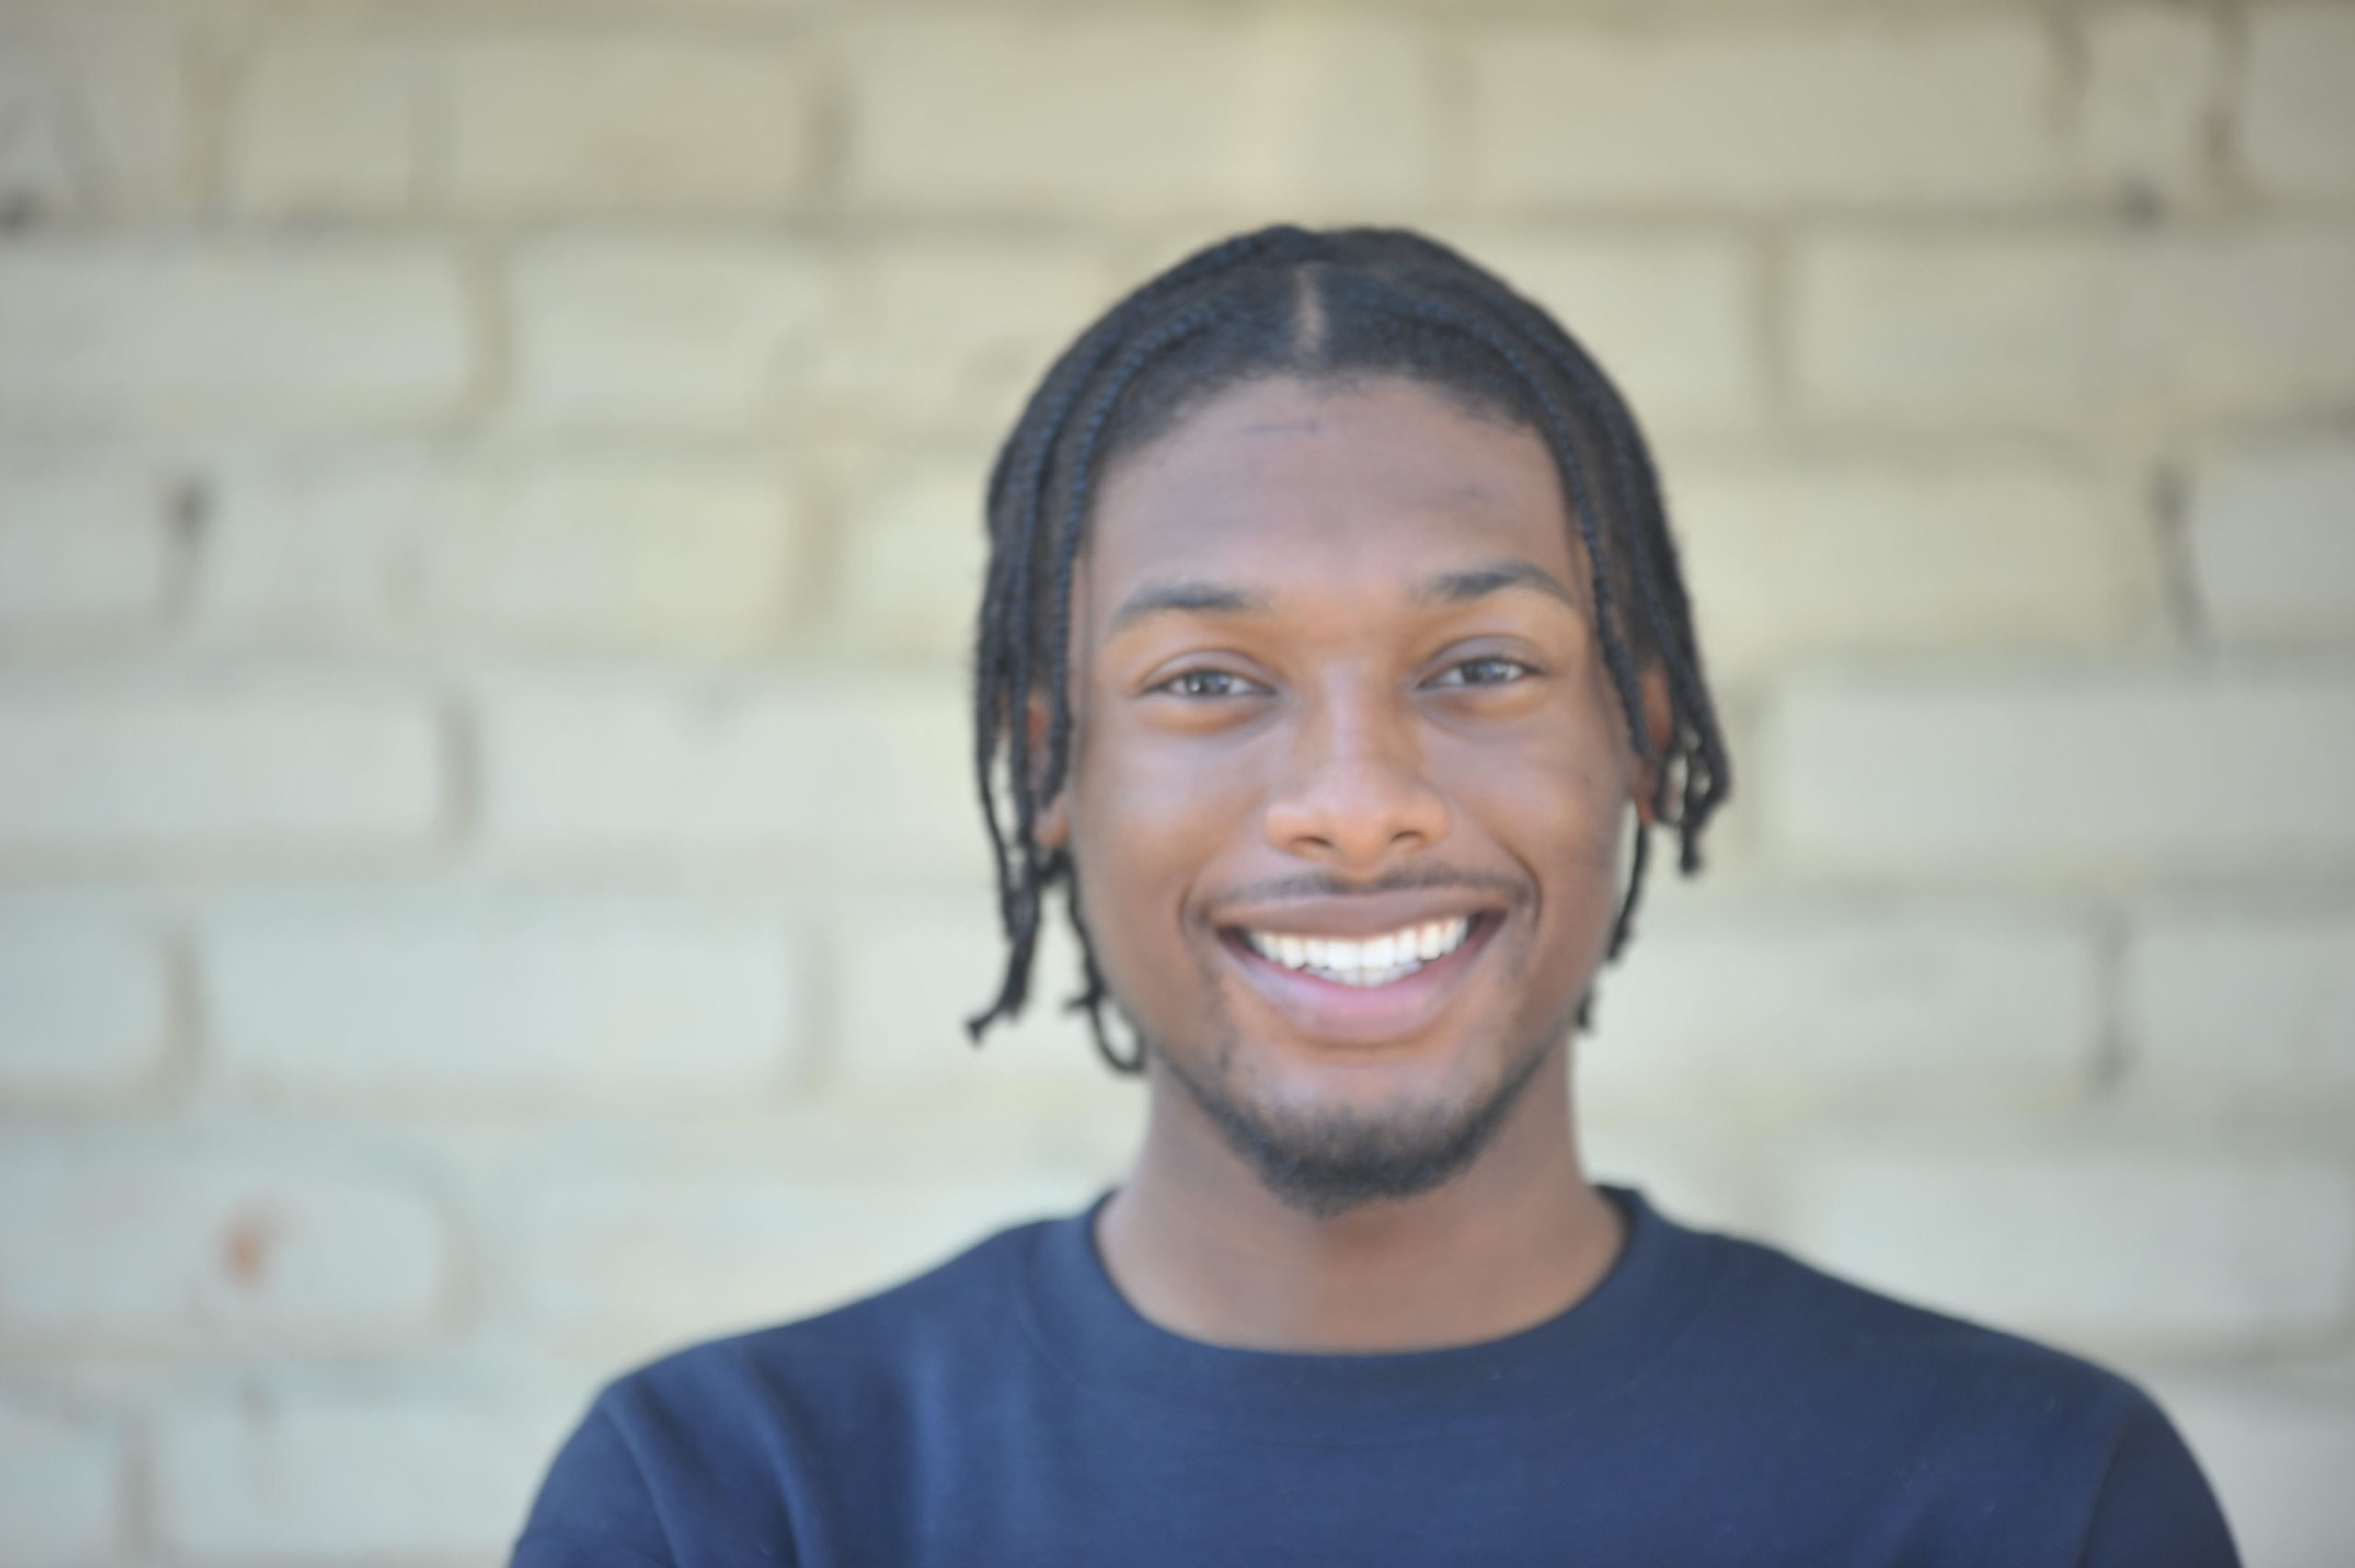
point(1760, 115)
point(2300, 131)
point(309, 332)
point(85, 1010)
point(97, 117)
point(61, 1490)
point(192, 768)
point(2229, 1005)
point(1685, 1165)
point(569, 124)
point(1791, 557)
point(2255, 321)
point(2100, 1245)
point(82, 544)
point(614, 548)
point(333, 1477)
point(1788, 1010)
point(604, 547)
point(332, 123)
point(665, 333)
point(315, 543)
point(1088, 114)
point(622, 1264)
point(1942, 327)
point(956, 332)
point(913, 547)
point(516, 1004)
point(1951, 325)
point(114, 1249)
point(2272, 538)
point(2149, 95)
point(2279, 1455)
point(2043, 776)
point(911, 1039)
point(1669, 321)
point(829, 777)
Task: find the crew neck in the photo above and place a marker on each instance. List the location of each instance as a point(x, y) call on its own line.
point(1596, 1348)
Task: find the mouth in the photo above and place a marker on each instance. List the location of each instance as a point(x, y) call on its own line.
point(1382, 987)
point(1374, 961)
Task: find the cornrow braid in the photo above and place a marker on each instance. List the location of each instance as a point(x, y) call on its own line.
point(1326, 306)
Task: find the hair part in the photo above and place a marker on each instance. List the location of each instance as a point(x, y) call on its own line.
point(1330, 308)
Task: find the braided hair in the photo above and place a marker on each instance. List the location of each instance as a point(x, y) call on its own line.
point(1328, 307)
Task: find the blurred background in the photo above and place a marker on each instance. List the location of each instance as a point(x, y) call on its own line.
point(489, 522)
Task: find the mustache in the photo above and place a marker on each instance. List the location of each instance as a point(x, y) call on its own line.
point(1417, 879)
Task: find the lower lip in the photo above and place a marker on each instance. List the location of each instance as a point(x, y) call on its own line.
point(1347, 1014)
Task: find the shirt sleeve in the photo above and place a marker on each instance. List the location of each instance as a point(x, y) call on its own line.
point(594, 1510)
point(2155, 1509)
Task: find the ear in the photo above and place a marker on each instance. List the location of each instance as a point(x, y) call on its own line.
point(1659, 724)
point(1051, 828)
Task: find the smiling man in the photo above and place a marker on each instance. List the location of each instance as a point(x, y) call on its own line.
point(1334, 665)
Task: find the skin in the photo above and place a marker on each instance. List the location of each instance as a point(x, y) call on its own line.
point(1335, 673)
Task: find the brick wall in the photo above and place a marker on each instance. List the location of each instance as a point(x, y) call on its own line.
point(487, 526)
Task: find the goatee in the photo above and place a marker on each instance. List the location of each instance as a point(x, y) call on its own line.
point(1325, 1164)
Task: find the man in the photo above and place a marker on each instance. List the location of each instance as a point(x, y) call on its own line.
point(1333, 652)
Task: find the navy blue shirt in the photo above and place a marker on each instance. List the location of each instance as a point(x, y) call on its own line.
point(1711, 1401)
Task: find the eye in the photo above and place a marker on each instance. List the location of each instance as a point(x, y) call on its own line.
point(1488, 669)
point(1210, 684)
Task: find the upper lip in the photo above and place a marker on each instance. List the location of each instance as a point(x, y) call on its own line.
point(1359, 915)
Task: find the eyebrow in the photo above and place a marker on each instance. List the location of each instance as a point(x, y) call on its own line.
point(1194, 598)
point(1491, 577)
point(1449, 588)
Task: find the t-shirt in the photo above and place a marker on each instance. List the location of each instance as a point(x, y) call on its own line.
point(1710, 1401)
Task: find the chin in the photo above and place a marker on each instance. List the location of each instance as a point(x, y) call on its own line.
point(1354, 1132)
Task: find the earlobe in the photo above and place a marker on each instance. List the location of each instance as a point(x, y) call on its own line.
point(1660, 726)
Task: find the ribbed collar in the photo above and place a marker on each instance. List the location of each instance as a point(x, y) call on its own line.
point(1599, 1347)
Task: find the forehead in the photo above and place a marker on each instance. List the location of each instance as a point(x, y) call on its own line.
point(1351, 485)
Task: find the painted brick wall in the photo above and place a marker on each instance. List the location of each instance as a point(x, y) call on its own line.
point(488, 523)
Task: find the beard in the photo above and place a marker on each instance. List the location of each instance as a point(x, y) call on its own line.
point(1326, 1163)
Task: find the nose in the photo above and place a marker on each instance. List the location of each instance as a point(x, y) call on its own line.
point(1354, 794)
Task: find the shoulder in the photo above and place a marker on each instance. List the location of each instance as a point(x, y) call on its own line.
point(1908, 1358)
point(1766, 1332)
point(1956, 1410)
point(701, 1434)
point(916, 1329)
point(1969, 1432)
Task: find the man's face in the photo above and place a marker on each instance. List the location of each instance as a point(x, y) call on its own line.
point(1350, 782)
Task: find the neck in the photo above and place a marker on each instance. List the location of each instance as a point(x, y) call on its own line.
point(1199, 1247)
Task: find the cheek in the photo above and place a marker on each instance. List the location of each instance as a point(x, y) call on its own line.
point(1552, 793)
point(1150, 814)
point(1557, 807)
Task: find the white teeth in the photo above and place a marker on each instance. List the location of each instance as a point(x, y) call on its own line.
point(1375, 961)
